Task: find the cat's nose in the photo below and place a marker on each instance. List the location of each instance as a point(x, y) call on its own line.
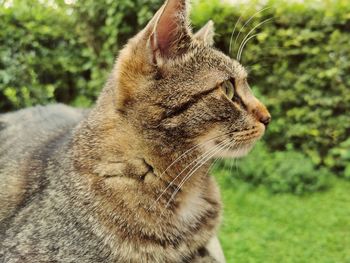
point(265, 120)
point(262, 114)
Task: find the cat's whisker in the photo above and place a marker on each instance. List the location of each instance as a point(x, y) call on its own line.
point(251, 31)
point(232, 161)
point(233, 33)
point(266, 58)
point(203, 161)
point(211, 166)
point(243, 45)
point(196, 169)
point(207, 155)
point(234, 29)
point(196, 160)
point(248, 21)
point(274, 47)
point(236, 163)
point(190, 174)
point(191, 149)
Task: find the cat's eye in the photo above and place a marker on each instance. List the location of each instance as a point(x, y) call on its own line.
point(228, 88)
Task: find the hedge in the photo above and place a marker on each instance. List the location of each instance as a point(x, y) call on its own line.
point(57, 52)
point(40, 59)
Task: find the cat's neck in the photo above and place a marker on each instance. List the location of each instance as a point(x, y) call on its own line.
point(106, 148)
point(164, 198)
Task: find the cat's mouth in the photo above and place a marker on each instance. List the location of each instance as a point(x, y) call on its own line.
point(229, 148)
point(234, 147)
point(236, 151)
point(242, 145)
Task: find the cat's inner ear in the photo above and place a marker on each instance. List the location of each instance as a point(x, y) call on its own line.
point(170, 36)
point(206, 34)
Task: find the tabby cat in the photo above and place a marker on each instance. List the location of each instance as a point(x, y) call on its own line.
point(127, 181)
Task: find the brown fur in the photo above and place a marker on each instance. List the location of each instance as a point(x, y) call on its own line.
point(99, 186)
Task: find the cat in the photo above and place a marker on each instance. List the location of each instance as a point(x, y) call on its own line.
point(127, 181)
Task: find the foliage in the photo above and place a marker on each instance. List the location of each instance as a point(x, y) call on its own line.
point(63, 53)
point(339, 157)
point(39, 57)
point(279, 171)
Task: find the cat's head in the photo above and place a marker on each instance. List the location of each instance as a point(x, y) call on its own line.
point(176, 89)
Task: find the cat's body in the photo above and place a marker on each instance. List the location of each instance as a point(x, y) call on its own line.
point(128, 181)
point(55, 216)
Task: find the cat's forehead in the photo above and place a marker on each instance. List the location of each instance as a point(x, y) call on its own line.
point(215, 60)
point(238, 70)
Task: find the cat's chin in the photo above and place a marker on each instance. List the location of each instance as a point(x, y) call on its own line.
point(236, 152)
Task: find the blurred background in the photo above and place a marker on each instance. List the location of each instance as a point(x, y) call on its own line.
point(289, 200)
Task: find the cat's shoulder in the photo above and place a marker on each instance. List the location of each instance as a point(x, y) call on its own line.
point(25, 137)
point(39, 123)
point(26, 131)
point(55, 114)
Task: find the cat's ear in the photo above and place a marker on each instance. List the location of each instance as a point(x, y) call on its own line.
point(170, 36)
point(206, 33)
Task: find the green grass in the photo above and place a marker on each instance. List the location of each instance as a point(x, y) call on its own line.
point(262, 227)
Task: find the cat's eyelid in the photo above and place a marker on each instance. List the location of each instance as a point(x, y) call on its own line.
point(233, 81)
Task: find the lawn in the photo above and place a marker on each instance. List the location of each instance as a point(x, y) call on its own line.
point(284, 228)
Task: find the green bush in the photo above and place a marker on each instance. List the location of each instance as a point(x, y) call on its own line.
point(63, 53)
point(39, 57)
point(279, 171)
point(339, 158)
